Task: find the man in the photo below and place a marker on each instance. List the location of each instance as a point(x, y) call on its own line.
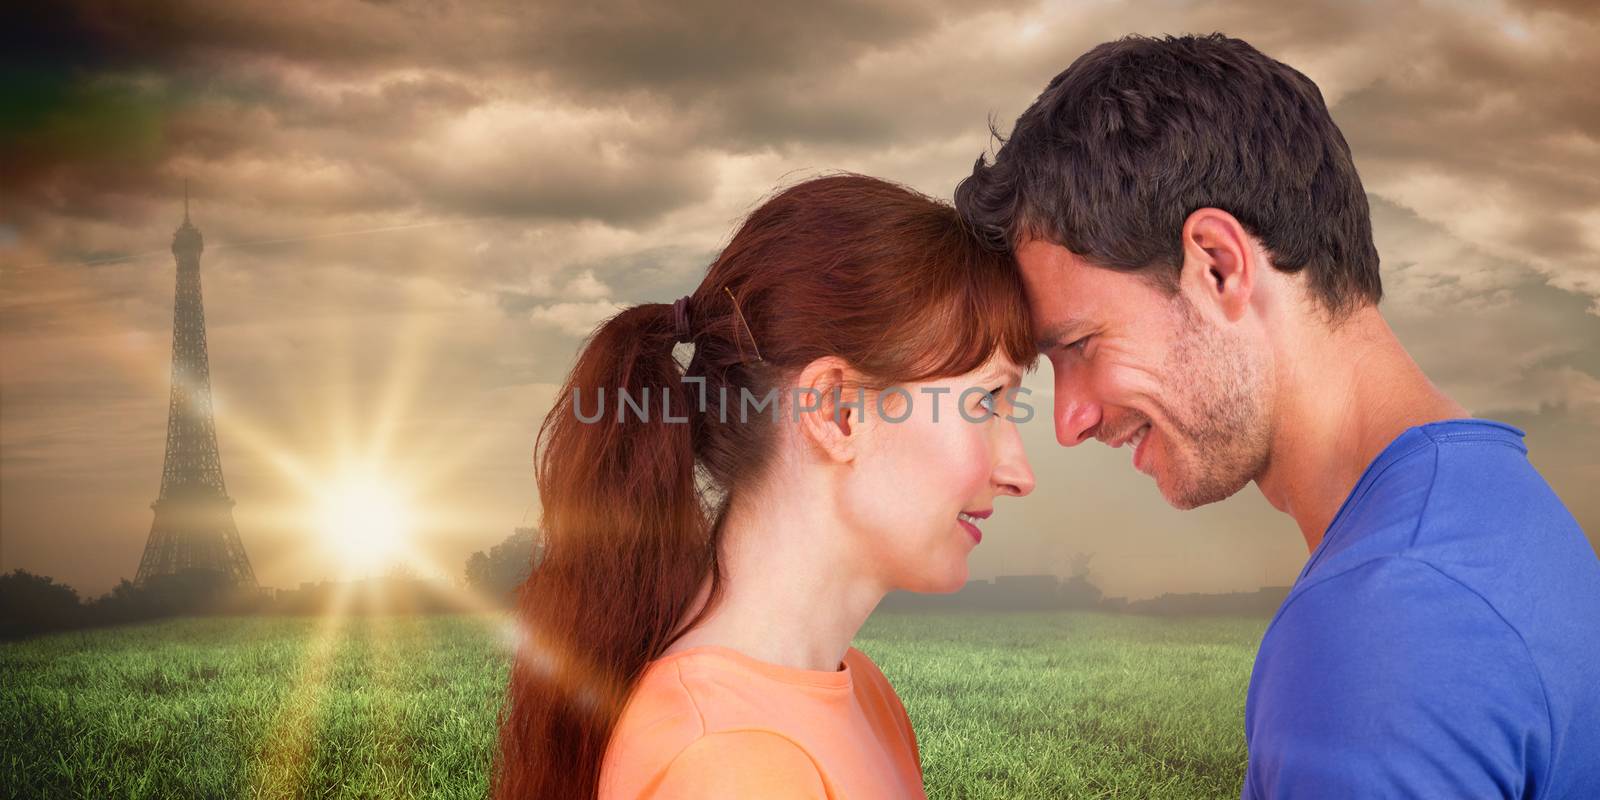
point(1198, 257)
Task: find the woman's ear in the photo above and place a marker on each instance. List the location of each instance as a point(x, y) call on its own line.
point(828, 408)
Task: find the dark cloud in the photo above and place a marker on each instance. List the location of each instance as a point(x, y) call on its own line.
point(1476, 319)
point(633, 94)
point(519, 173)
point(686, 48)
point(654, 272)
point(1577, 9)
point(396, 103)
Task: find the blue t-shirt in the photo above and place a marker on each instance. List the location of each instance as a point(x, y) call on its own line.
point(1443, 640)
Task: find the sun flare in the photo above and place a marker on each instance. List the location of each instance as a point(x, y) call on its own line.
point(365, 521)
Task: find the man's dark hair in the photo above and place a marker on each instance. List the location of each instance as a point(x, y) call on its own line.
point(1138, 133)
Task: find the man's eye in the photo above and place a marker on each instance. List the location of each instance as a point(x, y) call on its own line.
point(1079, 343)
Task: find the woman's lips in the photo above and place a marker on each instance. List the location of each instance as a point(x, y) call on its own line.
point(969, 520)
point(972, 530)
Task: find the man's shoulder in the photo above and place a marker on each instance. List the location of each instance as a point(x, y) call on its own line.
point(1478, 479)
point(1485, 476)
point(1365, 669)
point(1373, 599)
point(1389, 631)
point(1438, 635)
point(1457, 497)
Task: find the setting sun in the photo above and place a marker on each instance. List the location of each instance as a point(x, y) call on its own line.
point(365, 521)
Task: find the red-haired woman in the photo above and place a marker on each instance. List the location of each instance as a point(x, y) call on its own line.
point(717, 532)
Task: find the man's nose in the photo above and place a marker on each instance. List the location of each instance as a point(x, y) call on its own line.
point(1077, 418)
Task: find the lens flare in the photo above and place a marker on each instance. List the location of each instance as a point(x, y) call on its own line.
point(365, 521)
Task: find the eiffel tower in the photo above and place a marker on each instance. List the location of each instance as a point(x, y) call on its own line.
point(193, 527)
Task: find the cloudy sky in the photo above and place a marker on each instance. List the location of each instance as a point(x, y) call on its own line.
point(415, 210)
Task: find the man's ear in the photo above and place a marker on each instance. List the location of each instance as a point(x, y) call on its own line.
point(1221, 262)
point(830, 416)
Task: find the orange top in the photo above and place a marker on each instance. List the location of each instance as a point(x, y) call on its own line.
point(713, 722)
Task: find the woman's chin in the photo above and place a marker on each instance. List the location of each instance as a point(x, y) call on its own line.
point(947, 581)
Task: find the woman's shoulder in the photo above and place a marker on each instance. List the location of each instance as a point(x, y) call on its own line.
point(712, 689)
point(864, 668)
point(714, 722)
point(660, 718)
point(871, 685)
point(741, 763)
point(676, 738)
point(881, 702)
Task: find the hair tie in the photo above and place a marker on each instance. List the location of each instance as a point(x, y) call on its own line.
point(680, 320)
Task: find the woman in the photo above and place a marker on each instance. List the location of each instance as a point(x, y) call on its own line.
point(709, 558)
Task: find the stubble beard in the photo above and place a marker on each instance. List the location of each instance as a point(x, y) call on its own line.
point(1218, 442)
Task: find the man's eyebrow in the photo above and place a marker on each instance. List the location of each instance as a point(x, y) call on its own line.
point(1057, 334)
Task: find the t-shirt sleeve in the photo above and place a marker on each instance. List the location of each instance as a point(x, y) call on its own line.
point(877, 694)
point(1394, 680)
point(738, 764)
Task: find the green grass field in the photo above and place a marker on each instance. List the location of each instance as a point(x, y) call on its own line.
point(1005, 706)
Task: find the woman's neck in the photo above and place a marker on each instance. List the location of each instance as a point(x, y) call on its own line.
point(795, 587)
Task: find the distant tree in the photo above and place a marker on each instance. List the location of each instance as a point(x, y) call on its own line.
point(400, 571)
point(32, 603)
point(1080, 565)
point(477, 568)
point(403, 590)
point(1078, 591)
point(126, 602)
point(496, 573)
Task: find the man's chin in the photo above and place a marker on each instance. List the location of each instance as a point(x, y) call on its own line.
point(1194, 494)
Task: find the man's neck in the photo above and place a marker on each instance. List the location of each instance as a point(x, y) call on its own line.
point(1343, 395)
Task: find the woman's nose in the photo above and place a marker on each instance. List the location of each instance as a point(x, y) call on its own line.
point(1012, 475)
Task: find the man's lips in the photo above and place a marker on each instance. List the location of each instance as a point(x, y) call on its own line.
point(1138, 436)
point(1141, 448)
point(1124, 437)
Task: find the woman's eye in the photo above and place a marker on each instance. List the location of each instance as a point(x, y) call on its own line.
point(987, 402)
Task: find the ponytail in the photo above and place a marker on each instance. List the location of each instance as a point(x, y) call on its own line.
point(628, 548)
